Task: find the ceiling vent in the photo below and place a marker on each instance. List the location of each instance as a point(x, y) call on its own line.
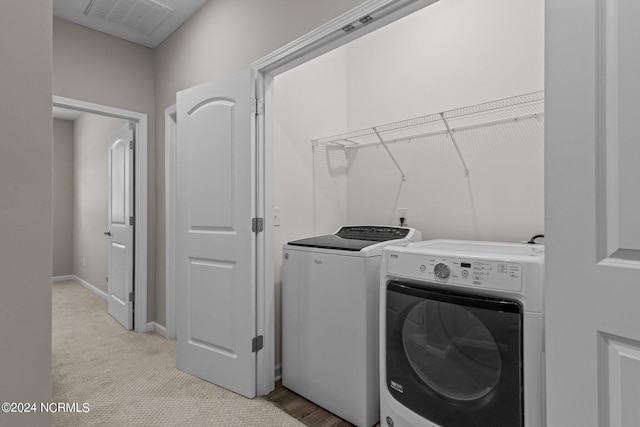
point(141, 15)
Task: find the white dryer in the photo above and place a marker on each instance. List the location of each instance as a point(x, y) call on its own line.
point(462, 335)
point(330, 288)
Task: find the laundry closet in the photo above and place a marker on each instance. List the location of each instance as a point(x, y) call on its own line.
point(360, 138)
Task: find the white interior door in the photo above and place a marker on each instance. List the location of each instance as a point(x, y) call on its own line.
point(592, 203)
point(120, 221)
point(215, 245)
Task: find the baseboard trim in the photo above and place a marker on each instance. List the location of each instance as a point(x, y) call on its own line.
point(56, 279)
point(157, 328)
point(83, 282)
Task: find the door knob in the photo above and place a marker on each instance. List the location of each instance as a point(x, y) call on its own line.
point(107, 233)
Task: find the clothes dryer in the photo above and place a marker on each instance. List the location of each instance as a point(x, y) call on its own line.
point(330, 288)
point(462, 335)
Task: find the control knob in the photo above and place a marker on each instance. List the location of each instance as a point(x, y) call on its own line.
point(441, 270)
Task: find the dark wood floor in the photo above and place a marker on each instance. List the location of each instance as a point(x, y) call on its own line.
point(304, 411)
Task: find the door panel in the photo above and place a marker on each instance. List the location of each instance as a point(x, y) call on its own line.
point(117, 276)
point(621, 381)
point(215, 246)
point(118, 181)
point(211, 302)
point(213, 169)
point(619, 151)
point(592, 209)
point(121, 231)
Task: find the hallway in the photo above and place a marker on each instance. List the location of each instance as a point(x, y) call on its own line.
point(130, 379)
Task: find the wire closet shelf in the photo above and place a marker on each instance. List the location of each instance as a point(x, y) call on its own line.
point(530, 105)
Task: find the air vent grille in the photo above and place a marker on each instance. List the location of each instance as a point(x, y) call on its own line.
point(141, 15)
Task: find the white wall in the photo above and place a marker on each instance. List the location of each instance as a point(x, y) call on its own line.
point(25, 207)
point(314, 97)
point(501, 199)
point(90, 186)
point(451, 54)
point(62, 184)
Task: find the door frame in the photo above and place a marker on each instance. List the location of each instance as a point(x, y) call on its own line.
point(170, 149)
point(315, 43)
point(141, 183)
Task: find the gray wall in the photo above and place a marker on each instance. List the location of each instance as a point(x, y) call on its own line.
point(90, 182)
point(62, 183)
point(94, 67)
point(25, 207)
point(225, 36)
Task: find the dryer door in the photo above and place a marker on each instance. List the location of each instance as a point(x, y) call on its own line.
point(453, 358)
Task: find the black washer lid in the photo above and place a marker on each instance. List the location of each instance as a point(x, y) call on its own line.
point(353, 238)
point(376, 233)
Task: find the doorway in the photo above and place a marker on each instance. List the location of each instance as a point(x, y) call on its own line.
point(412, 100)
point(140, 123)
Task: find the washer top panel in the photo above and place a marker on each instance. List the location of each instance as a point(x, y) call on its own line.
point(356, 238)
point(478, 248)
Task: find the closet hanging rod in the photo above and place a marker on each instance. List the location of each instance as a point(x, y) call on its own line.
point(355, 145)
point(517, 107)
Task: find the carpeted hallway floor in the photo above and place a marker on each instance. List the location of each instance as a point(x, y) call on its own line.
point(130, 379)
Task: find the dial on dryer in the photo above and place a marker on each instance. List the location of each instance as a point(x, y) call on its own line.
point(441, 270)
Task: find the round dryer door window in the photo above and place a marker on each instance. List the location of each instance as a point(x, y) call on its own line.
point(454, 359)
point(451, 350)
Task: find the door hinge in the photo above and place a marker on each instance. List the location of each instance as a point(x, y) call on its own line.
point(132, 220)
point(257, 225)
point(132, 296)
point(132, 145)
point(257, 343)
point(257, 107)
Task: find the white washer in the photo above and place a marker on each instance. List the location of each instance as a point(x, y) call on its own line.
point(462, 334)
point(330, 288)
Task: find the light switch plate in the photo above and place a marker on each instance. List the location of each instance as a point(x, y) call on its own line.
point(276, 217)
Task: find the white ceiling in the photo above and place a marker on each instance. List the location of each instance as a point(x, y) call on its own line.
point(74, 10)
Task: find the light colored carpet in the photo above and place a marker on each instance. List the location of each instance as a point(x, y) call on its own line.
point(130, 379)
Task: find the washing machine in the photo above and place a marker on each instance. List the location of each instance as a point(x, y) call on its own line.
point(462, 334)
point(330, 288)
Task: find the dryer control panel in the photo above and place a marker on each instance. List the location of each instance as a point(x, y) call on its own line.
point(472, 272)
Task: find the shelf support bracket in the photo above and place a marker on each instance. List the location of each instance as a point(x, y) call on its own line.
point(455, 144)
point(404, 177)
